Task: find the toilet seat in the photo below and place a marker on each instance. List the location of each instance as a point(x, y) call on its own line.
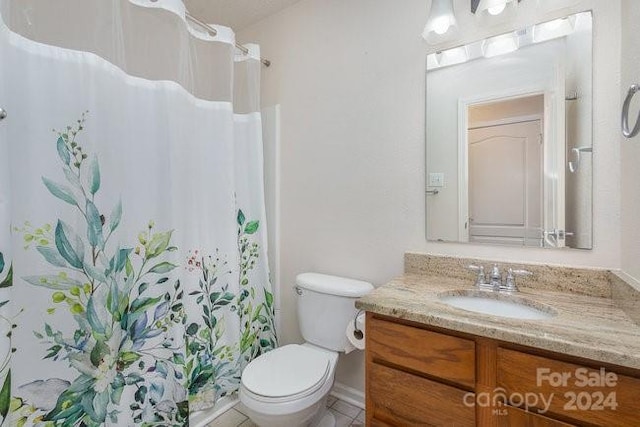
point(285, 374)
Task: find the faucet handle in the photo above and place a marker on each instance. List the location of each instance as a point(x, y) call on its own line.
point(520, 272)
point(481, 279)
point(510, 284)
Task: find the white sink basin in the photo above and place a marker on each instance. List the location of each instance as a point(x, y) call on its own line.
point(495, 304)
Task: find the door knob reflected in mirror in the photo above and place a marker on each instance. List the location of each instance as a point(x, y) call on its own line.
point(553, 237)
point(575, 164)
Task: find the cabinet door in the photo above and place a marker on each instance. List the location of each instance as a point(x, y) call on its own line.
point(518, 417)
point(397, 398)
point(377, 423)
point(426, 352)
point(576, 392)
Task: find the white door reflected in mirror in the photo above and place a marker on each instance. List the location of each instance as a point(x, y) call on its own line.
point(506, 170)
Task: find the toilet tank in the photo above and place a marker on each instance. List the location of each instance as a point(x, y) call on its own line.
point(326, 304)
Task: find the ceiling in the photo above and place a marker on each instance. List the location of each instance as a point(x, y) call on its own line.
point(237, 14)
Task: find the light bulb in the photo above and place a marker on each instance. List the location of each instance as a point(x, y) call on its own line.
point(441, 21)
point(496, 10)
point(440, 25)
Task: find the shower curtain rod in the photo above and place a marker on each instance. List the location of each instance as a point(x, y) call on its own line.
point(214, 32)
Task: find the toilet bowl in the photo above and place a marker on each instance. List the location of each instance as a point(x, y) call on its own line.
point(289, 386)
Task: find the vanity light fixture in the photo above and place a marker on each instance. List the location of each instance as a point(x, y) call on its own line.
point(510, 42)
point(441, 23)
point(500, 45)
point(453, 56)
point(492, 7)
point(552, 29)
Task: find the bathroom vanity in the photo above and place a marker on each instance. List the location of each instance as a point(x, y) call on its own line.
point(428, 363)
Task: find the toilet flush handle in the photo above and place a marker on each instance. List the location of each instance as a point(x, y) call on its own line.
point(298, 290)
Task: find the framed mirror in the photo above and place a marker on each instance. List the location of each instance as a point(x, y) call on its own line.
point(509, 138)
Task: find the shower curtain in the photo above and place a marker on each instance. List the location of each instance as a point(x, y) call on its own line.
point(133, 273)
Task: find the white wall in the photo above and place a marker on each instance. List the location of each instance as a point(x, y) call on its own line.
point(631, 148)
point(349, 75)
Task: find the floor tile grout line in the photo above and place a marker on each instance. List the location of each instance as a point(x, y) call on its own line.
point(354, 419)
point(345, 415)
point(349, 405)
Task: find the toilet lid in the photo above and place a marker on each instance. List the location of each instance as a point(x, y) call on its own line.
point(286, 371)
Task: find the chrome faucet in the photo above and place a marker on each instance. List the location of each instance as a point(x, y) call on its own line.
point(495, 279)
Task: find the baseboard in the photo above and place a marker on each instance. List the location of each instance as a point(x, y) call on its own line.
point(202, 418)
point(348, 394)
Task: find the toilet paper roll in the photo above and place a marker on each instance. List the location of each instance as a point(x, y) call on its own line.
point(356, 340)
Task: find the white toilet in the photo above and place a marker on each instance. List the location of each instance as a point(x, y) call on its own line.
point(288, 387)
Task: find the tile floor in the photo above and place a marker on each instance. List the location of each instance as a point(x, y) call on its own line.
point(345, 413)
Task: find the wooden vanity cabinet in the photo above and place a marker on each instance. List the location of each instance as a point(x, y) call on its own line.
point(418, 375)
point(515, 417)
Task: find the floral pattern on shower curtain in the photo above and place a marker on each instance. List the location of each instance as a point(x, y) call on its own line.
point(132, 231)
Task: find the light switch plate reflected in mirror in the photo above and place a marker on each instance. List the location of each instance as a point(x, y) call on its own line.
point(436, 179)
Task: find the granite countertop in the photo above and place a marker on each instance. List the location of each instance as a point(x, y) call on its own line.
point(588, 326)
